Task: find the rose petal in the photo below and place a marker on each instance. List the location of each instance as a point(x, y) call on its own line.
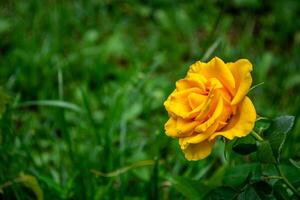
point(179, 127)
point(197, 151)
point(212, 119)
point(206, 107)
point(241, 71)
point(206, 129)
point(215, 83)
point(196, 100)
point(240, 124)
point(227, 112)
point(199, 137)
point(177, 103)
point(215, 68)
point(192, 80)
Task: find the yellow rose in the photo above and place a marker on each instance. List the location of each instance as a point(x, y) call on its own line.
point(210, 101)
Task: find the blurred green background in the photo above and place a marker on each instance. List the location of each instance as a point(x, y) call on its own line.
point(87, 81)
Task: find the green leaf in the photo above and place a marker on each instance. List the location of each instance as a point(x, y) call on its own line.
point(262, 124)
point(221, 193)
point(244, 149)
point(264, 152)
point(31, 183)
point(248, 193)
point(256, 173)
point(187, 187)
point(217, 178)
point(277, 132)
point(292, 174)
point(295, 163)
point(263, 187)
point(237, 175)
point(245, 145)
point(281, 192)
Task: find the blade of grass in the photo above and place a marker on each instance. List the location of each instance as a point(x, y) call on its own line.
point(66, 132)
point(122, 147)
point(60, 84)
point(211, 49)
point(90, 116)
point(122, 170)
point(154, 180)
point(52, 103)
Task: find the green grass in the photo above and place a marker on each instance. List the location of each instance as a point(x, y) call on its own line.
point(87, 81)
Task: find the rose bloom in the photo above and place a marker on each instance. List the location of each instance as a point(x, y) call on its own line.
point(210, 101)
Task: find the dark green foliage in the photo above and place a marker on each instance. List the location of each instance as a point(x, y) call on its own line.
point(265, 153)
point(248, 193)
point(237, 175)
point(82, 86)
point(245, 146)
point(295, 163)
point(244, 149)
point(221, 193)
point(276, 134)
point(189, 188)
point(4, 100)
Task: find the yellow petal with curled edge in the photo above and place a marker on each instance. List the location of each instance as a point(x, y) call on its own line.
point(199, 137)
point(213, 119)
point(241, 123)
point(215, 68)
point(177, 103)
point(170, 127)
point(192, 80)
point(194, 152)
point(241, 71)
point(215, 83)
point(196, 100)
point(179, 127)
point(205, 107)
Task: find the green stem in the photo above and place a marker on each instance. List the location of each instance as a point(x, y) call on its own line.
point(257, 136)
point(287, 181)
point(272, 177)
